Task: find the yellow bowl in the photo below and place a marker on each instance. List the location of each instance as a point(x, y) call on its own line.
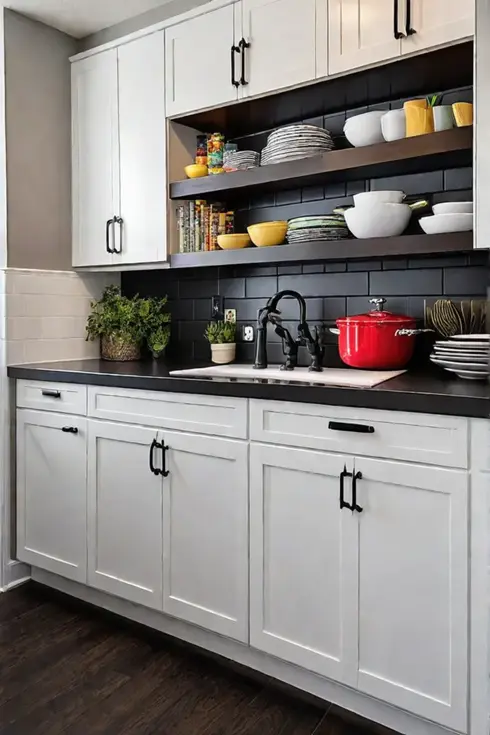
point(196, 170)
point(233, 242)
point(266, 234)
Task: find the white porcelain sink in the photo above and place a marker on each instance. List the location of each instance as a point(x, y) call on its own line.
point(329, 376)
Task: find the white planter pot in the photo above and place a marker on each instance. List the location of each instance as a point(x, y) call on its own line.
point(393, 125)
point(443, 117)
point(222, 354)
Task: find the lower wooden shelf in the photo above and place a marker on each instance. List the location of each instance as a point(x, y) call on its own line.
point(330, 250)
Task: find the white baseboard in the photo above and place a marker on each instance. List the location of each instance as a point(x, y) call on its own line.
point(15, 573)
point(329, 691)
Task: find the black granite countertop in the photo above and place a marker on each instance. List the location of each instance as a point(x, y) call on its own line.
point(425, 392)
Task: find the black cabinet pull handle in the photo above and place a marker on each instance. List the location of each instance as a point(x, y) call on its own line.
point(154, 445)
point(243, 45)
point(358, 428)
point(51, 393)
point(164, 470)
point(396, 32)
point(408, 22)
point(357, 476)
point(70, 429)
point(108, 235)
point(234, 50)
point(343, 475)
point(118, 221)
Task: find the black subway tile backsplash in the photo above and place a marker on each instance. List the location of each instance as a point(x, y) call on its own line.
point(338, 284)
point(406, 282)
point(263, 287)
point(232, 287)
point(468, 280)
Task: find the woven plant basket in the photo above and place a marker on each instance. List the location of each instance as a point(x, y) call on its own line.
point(116, 348)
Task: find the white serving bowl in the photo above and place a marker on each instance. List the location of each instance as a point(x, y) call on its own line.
point(379, 220)
point(384, 197)
point(364, 129)
point(438, 224)
point(453, 208)
point(393, 125)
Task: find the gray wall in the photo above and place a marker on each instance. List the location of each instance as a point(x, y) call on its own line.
point(174, 7)
point(38, 133)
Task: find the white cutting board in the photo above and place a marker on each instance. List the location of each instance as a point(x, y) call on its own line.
point(329, 376)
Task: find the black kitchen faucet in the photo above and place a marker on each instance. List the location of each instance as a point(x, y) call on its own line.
point(314, 343)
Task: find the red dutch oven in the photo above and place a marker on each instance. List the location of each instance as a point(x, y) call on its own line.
point(378, 340)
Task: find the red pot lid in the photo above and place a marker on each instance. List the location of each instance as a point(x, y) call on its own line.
point(377, 317)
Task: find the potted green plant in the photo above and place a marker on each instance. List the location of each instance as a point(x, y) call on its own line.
point(222, 338)
point(156, 325)
point(115, 319)
point(442, 114)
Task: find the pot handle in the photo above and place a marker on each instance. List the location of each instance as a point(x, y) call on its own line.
point(410, 332)
point(334, 330)
point(419, 205)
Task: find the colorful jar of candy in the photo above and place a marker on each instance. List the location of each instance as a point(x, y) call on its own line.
point(202, 150)
point(216, 146)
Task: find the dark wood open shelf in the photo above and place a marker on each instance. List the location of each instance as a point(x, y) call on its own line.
point(330, 250)
point(448, 149)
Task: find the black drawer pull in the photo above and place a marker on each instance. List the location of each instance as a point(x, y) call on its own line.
point(70, 429)
point(359, 428)
point(51, 393)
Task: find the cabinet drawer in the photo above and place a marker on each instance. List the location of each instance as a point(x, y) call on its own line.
point(181, 411)
point(47, 396)
point(437, 440)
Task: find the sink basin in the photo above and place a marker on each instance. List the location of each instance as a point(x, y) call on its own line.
point(273, 374)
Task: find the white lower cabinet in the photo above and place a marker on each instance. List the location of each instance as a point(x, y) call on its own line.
point(125, 514)
point(205, 558)
point(51, 492)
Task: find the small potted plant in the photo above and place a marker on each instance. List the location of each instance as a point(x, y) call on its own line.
point(156, 325)
point(222, 338)
point(442, 114)
point(116, 320)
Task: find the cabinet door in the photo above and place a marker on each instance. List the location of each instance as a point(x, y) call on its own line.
point(302, 552)
point(438, 22)
point(283, 48)
point(52, 493)
point(124, 514)
point(361, 32)
point(198, 62)
point(413, 588)
point(95, 156)
point(142, 134)
point(206, 533)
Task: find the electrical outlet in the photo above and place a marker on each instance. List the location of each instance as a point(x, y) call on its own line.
point(216, 307)
point(248, 333)
point(230, 316)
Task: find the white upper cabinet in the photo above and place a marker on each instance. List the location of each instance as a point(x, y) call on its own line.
point(51, 493)
point(125, 513)
point(361, 32)
point(95, 141)
point(283, 44)
point(413, 588)
point(437, 22)
point(142, 137)
point(205, 559)
point(199, 54)
point(302, 551)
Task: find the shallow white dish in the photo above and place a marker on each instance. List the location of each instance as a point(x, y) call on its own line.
point(471, 337)
point(364, 129)
point(479, 365)
point(468, 374)
point(378, 220)
point(474, 356)
point(439, 224)
point(453, 208)
point(383, 197)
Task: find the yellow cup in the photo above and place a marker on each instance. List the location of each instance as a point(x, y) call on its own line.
point(419, 117)
point(463, 113)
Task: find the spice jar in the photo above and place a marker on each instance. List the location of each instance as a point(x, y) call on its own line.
point(216, 146)
point(202, 150)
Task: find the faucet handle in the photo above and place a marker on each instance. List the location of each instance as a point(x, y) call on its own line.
point(378, 303)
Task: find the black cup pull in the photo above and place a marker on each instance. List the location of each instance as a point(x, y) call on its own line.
point(355, 506)
point(108, 236)
point(51, 393)
point(164, 470)
point(243, 45)
point(408, 22)
point(357, 428)
point(343, 475)
point(118, 221)
point(396, 32)
point(234, 50)
point(70, 429)
point(154, 445)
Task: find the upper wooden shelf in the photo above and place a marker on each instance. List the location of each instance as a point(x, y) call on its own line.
point(448, 149)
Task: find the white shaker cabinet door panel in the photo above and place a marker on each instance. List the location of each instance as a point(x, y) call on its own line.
point(413, 588)
point(437, 22)
point(283, 48)
point(198, 62)
point(125, 514)
point(95, 150)
point(302, 557)
point(206, 532)
point(52, 493)
point(142, 133)
point(361, 33)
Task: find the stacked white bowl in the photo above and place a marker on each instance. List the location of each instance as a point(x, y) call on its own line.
point(378, 214)
point(466, 355)
point(448, 217)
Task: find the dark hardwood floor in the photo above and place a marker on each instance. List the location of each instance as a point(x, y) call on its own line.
point(66, 667)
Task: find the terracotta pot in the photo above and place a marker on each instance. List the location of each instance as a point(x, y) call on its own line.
point(222, 354)
point(117, 348)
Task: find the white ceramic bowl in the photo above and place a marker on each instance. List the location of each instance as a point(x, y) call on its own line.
point(393, 125)
point(379, 220)
point(443, 223)
point(364, 129)
point(376, 197)
point(453, 208)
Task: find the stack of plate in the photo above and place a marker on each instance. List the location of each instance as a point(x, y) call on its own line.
point(321, 227)
point(296, 141)
point(240, 160)
point(467, 355)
